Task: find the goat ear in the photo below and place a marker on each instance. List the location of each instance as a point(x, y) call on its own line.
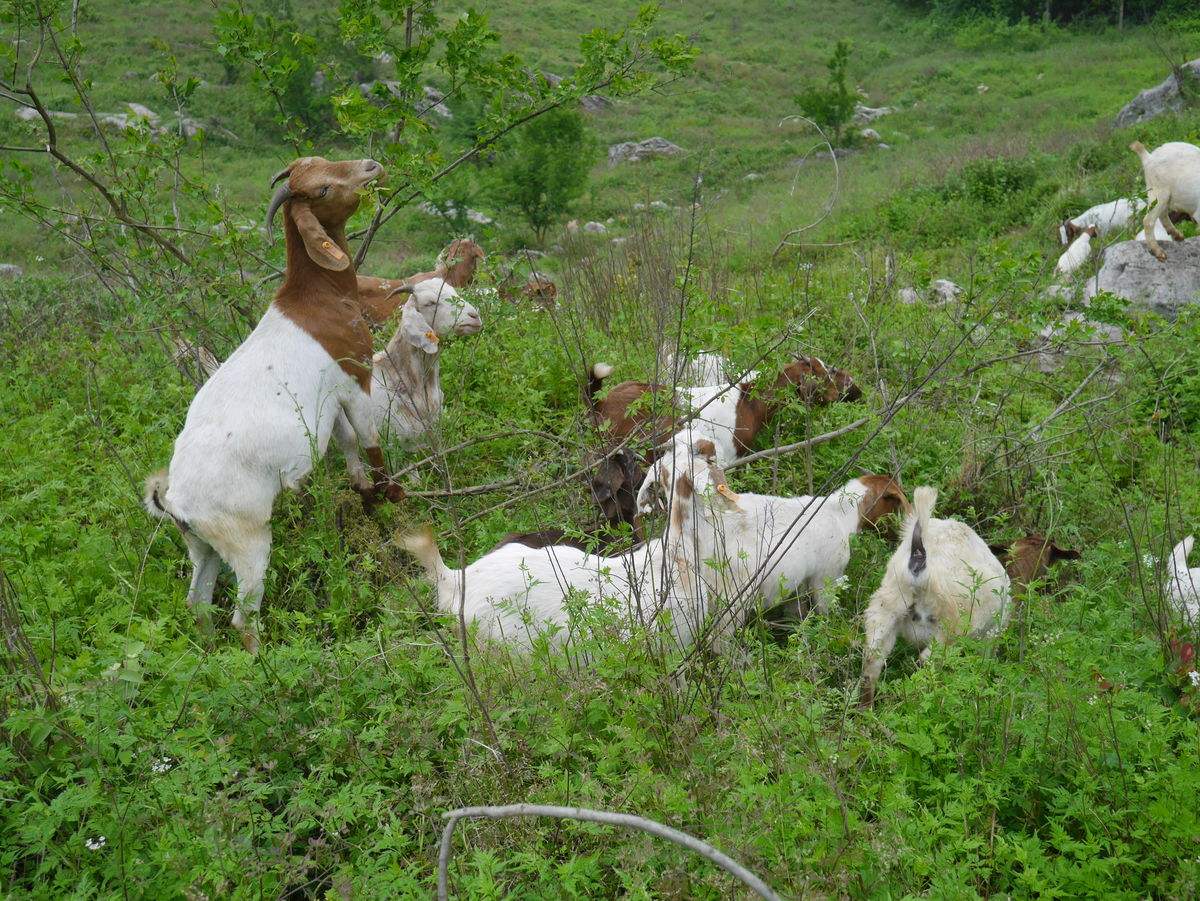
point(417, 330)
point(999, 550)
point(322, 249)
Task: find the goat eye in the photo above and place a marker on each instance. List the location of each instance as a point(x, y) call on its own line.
point(324, 191)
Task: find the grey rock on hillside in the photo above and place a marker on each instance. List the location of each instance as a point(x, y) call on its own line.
point(1162, 98)
point(1130, 271)
point(636, 151)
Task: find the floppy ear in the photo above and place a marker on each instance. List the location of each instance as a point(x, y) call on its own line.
point(321, 248)
point(998, 550)
point(417, 330)
point(1059, 553)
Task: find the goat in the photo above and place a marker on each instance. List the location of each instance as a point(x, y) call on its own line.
point(1106, 218)
point(1172, 173)
point(1183, 584)
point(455, 266)
point(540, 290)
point(942, 582)
point(1073, 258)
point(696, 372)
point(267, 413)
point(514, 592)
point(1029, 558)
point(766, 547)
point(406, 389)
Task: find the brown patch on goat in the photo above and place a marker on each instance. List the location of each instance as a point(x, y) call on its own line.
point(541, 291)
point(320, 288)
point(456, 266)
point(706, 448)
point(884, 495)
point(1029, 558)
point(614, 485)
point(614, 410)
point(815, 384)
point(684, 490)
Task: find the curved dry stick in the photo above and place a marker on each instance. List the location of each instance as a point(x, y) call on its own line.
point(837, 185)
point(799, 445)
point(608, 818)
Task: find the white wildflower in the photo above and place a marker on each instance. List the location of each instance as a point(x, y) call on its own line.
point(95, 844)
point(1148, 561)
point(1195, 677)
point(1092, 701)
point(162, 765)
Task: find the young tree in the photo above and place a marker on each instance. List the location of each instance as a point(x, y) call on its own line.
point(831, 105)
point(545, 170)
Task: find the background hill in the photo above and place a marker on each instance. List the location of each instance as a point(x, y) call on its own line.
point(1061, 760)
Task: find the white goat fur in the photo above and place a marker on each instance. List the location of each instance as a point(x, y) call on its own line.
point(1183, 584)
point(515, 593)
point(960, 589)
point(1076, 255)
point(1172, 173)
point(700, 371)
point(406, 388)
point(1106, 217)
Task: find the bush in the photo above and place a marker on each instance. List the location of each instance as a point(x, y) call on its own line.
point(831, 106)
point(546, 169)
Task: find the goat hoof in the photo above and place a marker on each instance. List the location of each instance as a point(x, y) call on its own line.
point(394, 492)
point(1160, 256)
point(367, 496)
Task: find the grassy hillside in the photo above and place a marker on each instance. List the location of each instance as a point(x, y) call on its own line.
point(1062, 759)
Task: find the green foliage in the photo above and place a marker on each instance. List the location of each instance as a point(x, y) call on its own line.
point(544, 171)
point(831, 105)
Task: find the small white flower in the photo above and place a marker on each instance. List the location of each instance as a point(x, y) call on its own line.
point(40, 259)
point(1195, 677)
point(95, 844)
point(1092, 701)
point(1148, 561)
point(162, 765)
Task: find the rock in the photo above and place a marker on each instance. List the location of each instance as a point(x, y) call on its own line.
point(386, 58)
point(25, 114)
point(1164, 97)
point(636, 151)
point(838, 153)
point(594, 103)
point(1130, 271)
point(982, 88)
point(870, 134)
point(595, 228)
point(751, 176)
point(659, 205)
point(1054, 351)
point(639, 207)
point(319, 80)
point(144, 111)
point(619, 241)
point(450, 211)
point(883, 146)
point(573, 226)
point(189, 128)
point(943, 290)
point(11, 270)
point(865, 115)
point(116, 120)
point(436, 102)
point(908, 296)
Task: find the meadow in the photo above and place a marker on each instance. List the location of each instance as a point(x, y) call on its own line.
point(1060, 760)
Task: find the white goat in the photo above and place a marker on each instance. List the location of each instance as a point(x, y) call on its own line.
point(700, 371)
point(1076, 255)
point(266, 414)
point(941, 583)
point(1172, 173)
point(766, 547)
point(1106, 218)
point(516, 592)
point(406, 388)
point(1183, 584)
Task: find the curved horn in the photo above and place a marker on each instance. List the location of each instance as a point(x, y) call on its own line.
point(403, 289)
point(282, 194)
point(281, 174)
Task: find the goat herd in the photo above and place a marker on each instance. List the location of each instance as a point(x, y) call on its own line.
point(306, 374)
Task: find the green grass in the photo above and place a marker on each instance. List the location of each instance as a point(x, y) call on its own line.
point(1057, 761)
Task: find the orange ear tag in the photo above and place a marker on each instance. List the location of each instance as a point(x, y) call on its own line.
point(724, 491)
point(432, 336)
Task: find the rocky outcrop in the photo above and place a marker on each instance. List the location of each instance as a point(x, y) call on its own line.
point(636, 151)
point(1131, 272)
point(1165, 97)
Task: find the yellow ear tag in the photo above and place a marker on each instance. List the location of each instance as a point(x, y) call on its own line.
point(432, 336)
point(724, 491)
point(335, 252)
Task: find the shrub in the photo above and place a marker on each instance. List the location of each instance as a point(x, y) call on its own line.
point(831, 105)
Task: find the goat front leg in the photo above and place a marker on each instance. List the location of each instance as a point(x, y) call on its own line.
point(881, 629)
point(362, 421)
point(343, 435)
point(1157, 211)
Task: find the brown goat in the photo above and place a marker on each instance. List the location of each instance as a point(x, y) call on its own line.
point(1029, 558)
point(456, 264)
point(540, 290)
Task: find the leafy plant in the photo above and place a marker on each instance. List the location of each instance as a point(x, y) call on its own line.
point(831, 105)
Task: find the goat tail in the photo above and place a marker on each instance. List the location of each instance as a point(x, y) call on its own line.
point(421, 544)
point(154, 494)
point(1179, 554)
point(924, 499)
point(596, 376)
point(1140, 149)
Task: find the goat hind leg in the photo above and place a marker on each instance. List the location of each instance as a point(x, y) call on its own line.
point(249, 562)
point(206, 566)
point(1156, 212)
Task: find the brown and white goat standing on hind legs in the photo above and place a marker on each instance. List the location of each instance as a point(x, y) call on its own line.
point(263, 418)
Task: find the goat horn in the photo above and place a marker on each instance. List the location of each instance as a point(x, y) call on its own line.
point(282, 194)
point(280, 174)
point(403, 289)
